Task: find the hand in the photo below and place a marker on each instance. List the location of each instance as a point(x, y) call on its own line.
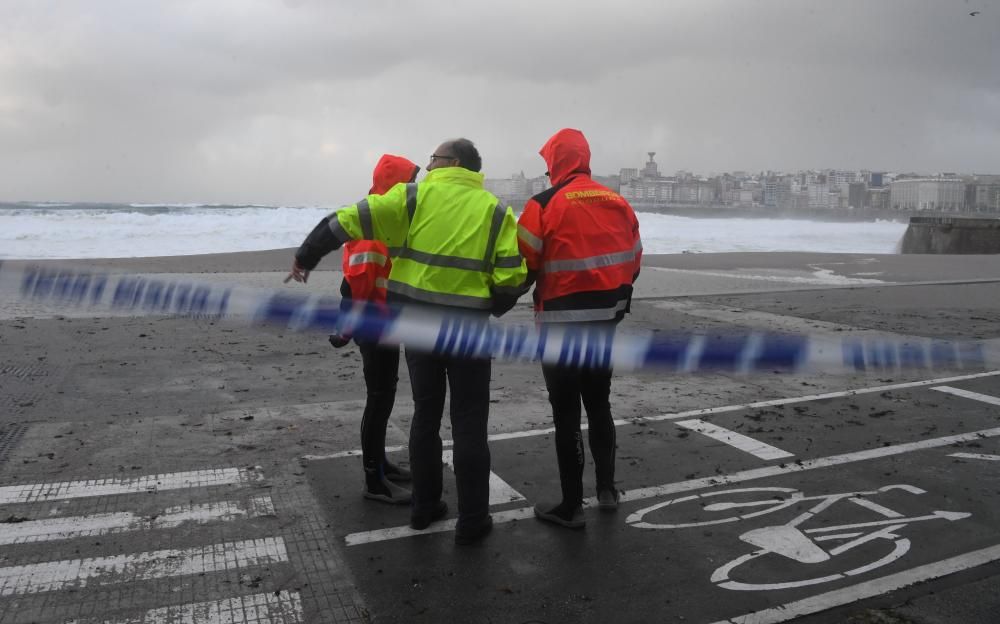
point(298, 274)
point(338, 340)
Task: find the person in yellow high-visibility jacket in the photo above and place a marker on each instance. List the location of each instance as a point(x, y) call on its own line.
point(453, 245)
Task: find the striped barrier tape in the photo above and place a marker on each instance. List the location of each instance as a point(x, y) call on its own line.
point(472, 336)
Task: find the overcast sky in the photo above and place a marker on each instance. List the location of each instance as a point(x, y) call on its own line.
point(271, 102)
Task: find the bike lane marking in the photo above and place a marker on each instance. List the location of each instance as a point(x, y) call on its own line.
point(379, 535)
point(967, 394)
point(756, 448)
point(868, 589)
point(705, 411)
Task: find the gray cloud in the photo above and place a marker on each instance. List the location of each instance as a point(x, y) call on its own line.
point(292, 102)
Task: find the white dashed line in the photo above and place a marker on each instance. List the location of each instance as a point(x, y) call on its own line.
point(976, 456)
point(966, 394)
point(744, 443)
point(500, 491)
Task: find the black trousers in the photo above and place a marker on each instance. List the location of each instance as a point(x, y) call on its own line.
point(567, 386)
point(469, 382)
point(381, 369)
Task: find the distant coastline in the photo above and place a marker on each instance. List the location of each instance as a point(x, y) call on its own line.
point(729, 211)
point(723, 211)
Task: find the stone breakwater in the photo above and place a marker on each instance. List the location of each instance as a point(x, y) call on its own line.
point(951, 235)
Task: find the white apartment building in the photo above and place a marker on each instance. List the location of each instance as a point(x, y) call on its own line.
point(628, 174)
point(942, 194)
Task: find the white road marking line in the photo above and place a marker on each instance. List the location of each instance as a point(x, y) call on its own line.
point(500, 491)
point(707, 411)
point(705, 482)
point(737, 440)
point(803, 399)
point(966, 394)
point(868, 589)
point(51, 529)
point(284, 607)
point(102, 571)
point(976, 456)
point(357, 452)
point(807, 464)
point(381, 535)
point(28, 493)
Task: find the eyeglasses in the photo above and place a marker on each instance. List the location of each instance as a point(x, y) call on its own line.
point(433, 156)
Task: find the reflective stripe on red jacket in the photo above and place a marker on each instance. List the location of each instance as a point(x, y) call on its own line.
point(366, 268)
point(580, 238)
point(366, 263)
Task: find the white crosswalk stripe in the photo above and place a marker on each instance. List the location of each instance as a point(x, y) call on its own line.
point(282, 607)
point(99, 571)
point(108, 487)
point(51, 529)
point(32, 529)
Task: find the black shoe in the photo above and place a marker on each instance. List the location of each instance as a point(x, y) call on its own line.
point(571, 518)
point(421, 521)
point(465, 537)
point(387, 492)
point(396, 473)
point(607, 500)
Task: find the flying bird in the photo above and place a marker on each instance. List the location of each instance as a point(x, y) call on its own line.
point(974, 13)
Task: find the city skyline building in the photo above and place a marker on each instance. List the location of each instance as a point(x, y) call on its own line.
point(786, 192)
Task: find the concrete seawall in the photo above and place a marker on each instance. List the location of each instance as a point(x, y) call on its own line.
point(951, 235)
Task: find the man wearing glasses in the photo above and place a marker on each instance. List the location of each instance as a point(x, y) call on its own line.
point(455, 249)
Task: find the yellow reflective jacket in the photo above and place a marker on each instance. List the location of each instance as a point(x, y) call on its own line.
point(451, 241)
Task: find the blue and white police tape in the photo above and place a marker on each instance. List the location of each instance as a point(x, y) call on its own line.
point(463, 335)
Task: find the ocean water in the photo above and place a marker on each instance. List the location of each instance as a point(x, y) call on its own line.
point(36, 231)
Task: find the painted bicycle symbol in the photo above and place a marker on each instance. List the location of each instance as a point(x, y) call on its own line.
point(823, 546)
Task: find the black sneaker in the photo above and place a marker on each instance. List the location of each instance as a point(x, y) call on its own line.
point(388, 492)
point(421, 521)
point(396, 473)
point(465, 537)
point(571, 518)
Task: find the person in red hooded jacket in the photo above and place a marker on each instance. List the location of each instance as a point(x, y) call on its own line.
point(366, 265)
point(581, 243)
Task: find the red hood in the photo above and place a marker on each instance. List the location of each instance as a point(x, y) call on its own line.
point(390, 171)
point(566, 153)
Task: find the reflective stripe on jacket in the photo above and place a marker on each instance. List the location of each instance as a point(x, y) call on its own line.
point(366, 267)
point(581, 239)
point(451, 241)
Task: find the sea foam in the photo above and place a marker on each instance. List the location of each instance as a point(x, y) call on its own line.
point(36, 231)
